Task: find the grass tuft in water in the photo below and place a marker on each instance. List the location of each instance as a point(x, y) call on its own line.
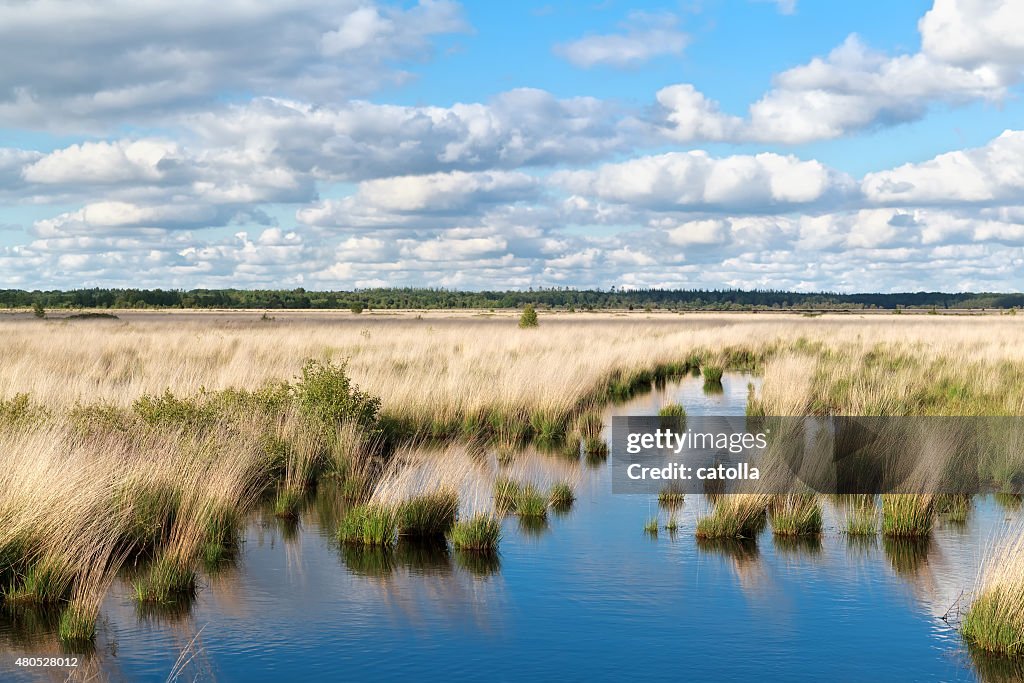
point(428, 516)
point(506, 491)
point(735, 516)
point(41, 584)
point(712, 374)
point(480, 533)
point(672, 410)
point(651, 526)
point(907, 516)
point(995, 622)
point(562, 496)
point(862, 520)
point(167, 580)
point(530, 503)
point(796, 515)
point(373, 525)
point(77, 625)
point(595, 446)
point(671, 498)
point(287, 503)
point(955, 506)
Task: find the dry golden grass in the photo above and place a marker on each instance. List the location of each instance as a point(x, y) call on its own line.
point(442, 367)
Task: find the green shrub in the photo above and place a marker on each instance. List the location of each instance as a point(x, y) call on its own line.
point(20, 410)
point(356, 308)
point(528, 318)
point(167, 410)
point(38, 310)
point(326, 395)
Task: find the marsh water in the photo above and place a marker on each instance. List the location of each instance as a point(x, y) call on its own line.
point(589, 596)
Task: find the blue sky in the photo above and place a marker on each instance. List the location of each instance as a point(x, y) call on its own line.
point(797, 144)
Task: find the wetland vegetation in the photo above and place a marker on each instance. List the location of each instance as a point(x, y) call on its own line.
point(136, 450)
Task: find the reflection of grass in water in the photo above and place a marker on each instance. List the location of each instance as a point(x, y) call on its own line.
point(165, 612)
point(533, 525)
point(368, 560)
point(671, 498)
point(861, 544)
point(424, 557)
point(798, 545)
point(741, 550)
point(289, 528)
point(996, 668)
point(419, 557)
point(713, 388)
point(29, 625)
point(906, 555)
point(480, 564)
point(1010, 502)
point(597, 458)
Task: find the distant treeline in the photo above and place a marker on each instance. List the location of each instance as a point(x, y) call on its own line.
point(675, 299)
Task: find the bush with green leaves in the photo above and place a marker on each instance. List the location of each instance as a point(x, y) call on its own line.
point(528, 318)
point(325, 393)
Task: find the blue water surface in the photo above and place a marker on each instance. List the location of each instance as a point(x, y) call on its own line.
point(589, 597)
